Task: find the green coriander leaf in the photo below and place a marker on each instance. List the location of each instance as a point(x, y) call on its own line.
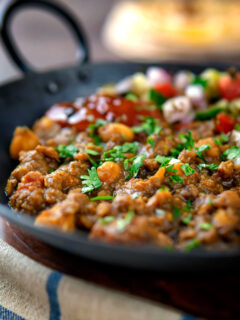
point(211, 166)
point(187, 140)
point(91, 182)
point(94, 163)
point(171, 168)
point(200, 81)
point(156, 98)
point(106, 220)
point(176, 179)
point(223, 138)
point(176, 212)
point(91, 152)
point(232, 153)
point(149, 126)
point(164, 161)
point(92, 130)
point(205, 226)
point(136, 165)
point(122, 223)
point(67, 151)
point(237, 127)
point(117, 153)
point(102, 198)
point(51, 170)
point(131, 96)
point(202, 149)
point(187, 219)
point(192, 244)
point(151, 141)
point(187, 169)
point(163, 189)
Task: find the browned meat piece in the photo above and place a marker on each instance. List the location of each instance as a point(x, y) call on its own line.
point(225, 221)
point(227, 198)
point(226, 169)
point(66, 177)
point(30, 194)
point(63, 215)
point(137, 231)
point(34, 160)
point(23, 140)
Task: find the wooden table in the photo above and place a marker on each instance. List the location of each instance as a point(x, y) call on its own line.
point(211, 297)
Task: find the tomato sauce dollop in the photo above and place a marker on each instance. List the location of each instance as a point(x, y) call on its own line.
point(85, 111)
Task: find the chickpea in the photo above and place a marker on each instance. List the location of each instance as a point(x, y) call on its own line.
point(109, 172)
point(116, 132)
point(24, 139)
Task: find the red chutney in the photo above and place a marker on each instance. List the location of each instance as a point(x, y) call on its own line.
point(84, 111)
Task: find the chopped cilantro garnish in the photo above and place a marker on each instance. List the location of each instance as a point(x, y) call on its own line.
point(171, 169)
point(160, 212)
point(211, 166)
point(131, 96)
point(157, 98)
point(194, 243)
point(117, 153)
point(232, 153)
point(187, 143)
point(102, 198)
point(92, 181)
point(164, 161)
point(136, 165)
point(188, 206)
point(200, 81)
point(92, 129)
point(187, 169)
point(223, 138)
point(237, 127)
point(187, 219)
point(91, 152)
point(151, 141)
point(51, 170)
point(94, 163)
point(202, 149)
point(187, 140)
point(67, 151)
point(176, 179)
point(206, 226)
point(106, 220)
point(149, 126)
point(176, 212)
point(163, 189)
point(123, 222)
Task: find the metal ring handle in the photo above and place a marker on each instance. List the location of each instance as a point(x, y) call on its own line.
point(11, 7)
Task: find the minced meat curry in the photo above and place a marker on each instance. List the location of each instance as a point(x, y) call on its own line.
point(153, 159)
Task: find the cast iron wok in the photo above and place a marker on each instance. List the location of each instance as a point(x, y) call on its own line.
point(23, 101)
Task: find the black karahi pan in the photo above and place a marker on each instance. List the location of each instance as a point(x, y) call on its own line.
point(23, 101)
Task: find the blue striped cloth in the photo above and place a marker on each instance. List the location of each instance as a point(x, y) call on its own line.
point(30, 291)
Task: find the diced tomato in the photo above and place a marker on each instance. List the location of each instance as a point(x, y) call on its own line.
point(225, 123)
point(229, 87)
point(166, 89)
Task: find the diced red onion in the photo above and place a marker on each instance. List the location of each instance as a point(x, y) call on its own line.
point(157, 75)
point(177, 109)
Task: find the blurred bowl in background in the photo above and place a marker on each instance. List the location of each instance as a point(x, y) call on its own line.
point(174, 30)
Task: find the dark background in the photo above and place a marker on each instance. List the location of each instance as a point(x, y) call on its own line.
point(46, 42)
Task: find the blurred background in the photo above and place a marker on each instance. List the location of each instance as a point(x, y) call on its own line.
point(189, 30)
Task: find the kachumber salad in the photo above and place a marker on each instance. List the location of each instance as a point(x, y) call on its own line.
point(153, 159)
